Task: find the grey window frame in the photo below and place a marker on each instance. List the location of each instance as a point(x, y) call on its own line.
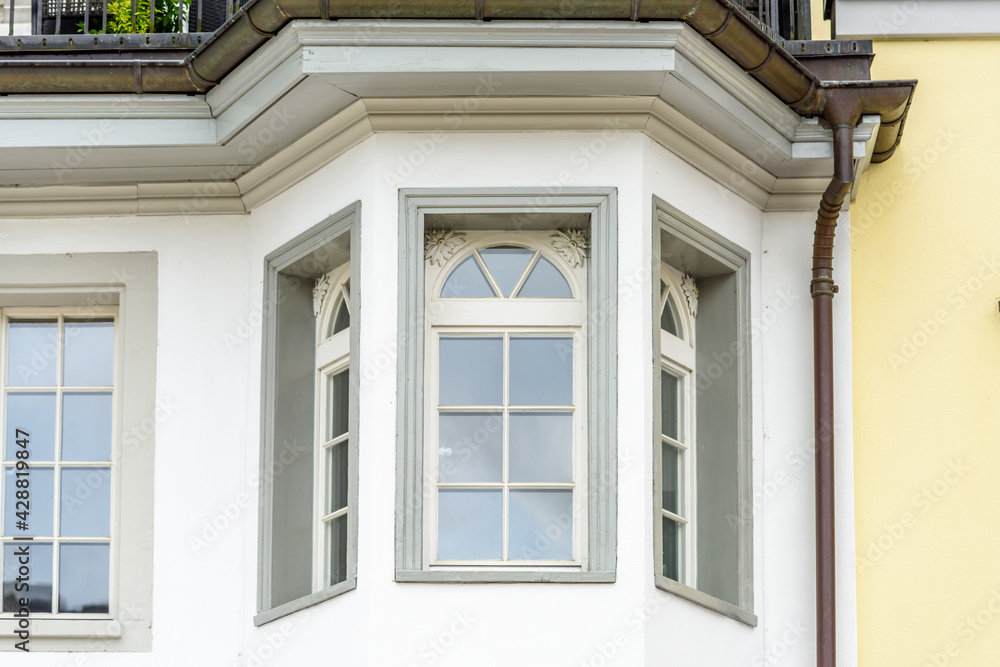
point(128, 280)
point(346, 221)
point(686, 230)
point(510, 208)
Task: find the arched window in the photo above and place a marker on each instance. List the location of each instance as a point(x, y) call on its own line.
point(506, 413)
point(332, 300)
point(677, 438)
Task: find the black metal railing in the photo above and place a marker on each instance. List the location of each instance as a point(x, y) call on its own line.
point(781, 19)
point(125, 17)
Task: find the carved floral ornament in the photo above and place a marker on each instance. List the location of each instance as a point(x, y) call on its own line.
point(322, 288)
point(572, 245)
point(440, 245)
point(690, 289)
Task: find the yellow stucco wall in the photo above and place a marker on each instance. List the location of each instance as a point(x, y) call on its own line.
point(926, 280)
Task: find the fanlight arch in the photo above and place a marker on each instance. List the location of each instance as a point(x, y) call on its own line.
point(675, 308)
point(505, 270)
point(332, 302)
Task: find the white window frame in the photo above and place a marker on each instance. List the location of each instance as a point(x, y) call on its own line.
point(509, 209)
point(100, 285)
point(677, 357)
point(672, 225)
point(506, 317)
point(333, 356)
point(60, 316)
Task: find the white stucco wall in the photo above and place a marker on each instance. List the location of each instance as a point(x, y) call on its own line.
point(210, 287)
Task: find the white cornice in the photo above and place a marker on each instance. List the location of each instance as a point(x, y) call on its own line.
point(320, 88)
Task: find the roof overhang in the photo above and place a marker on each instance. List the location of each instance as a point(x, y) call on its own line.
point(318, 88)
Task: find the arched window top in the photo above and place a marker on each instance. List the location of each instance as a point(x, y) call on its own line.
point(677, 294)
point(332, 302)
point(506, 271)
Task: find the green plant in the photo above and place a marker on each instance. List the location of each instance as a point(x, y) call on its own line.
point(170, 16)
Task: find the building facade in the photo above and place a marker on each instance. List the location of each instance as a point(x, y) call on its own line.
point(492, 335)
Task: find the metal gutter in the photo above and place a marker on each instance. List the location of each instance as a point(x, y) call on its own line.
point(735, 33)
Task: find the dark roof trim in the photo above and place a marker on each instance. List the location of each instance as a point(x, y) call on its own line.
point(719, 21)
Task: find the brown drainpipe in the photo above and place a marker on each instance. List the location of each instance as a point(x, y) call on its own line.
point(844, 107)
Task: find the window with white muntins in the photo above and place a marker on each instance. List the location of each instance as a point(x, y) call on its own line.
point(505, 430)
point(506, 450)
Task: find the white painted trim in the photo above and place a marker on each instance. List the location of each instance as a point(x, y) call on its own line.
point(917, 19)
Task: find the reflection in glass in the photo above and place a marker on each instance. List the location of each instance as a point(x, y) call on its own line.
point(546, 281)
point(541, 447)
point(88, 353)
point(467, 280)
point(671, 549)
point(343, 319)
point(470, 447)
point(85, 502)
point(34, 412)
point(40, 562)
point(471, 371)
point(336, 474)
point(41, 495)
point(541, 524)
point(669, 318)
point(506, 263)
point(336, 548)
point(86, 426)
point(32, 353)
point(671, 477)
point(541, 371)
point(470, 524)
point(84, 573)
point(669, 417)
point(338, 405)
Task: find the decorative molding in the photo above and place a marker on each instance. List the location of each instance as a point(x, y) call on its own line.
point(320, 291)
point(440, 245)
point(572, 245)
point(690, 289)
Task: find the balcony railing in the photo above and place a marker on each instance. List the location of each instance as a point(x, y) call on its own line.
point(74, 17)
point(781, 19)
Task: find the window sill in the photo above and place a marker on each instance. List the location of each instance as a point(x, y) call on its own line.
point(503, 577)
point(61, 627)
point(304, 602)
point(707, 601)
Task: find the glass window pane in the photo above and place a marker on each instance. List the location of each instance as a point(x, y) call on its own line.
point(86, 426)
point(546, 281)
point(34, 412)
point(85, 502)
point(336, 476)
point(541, 371)
point(89, 353)
point(39, 559)
point(467, 280)
point(41, 495)
point(84, 573)
point(669, 318)
point(669, 416)
point(471, 371)
point(541, 525)
point(541, 447)
point(343, 319)
point(506, 263)
point(672, 545)
point(470, 524)
point(470, 447)
point(338, 405)
point(671, 479)
point(32, 353)
point(336, 549)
